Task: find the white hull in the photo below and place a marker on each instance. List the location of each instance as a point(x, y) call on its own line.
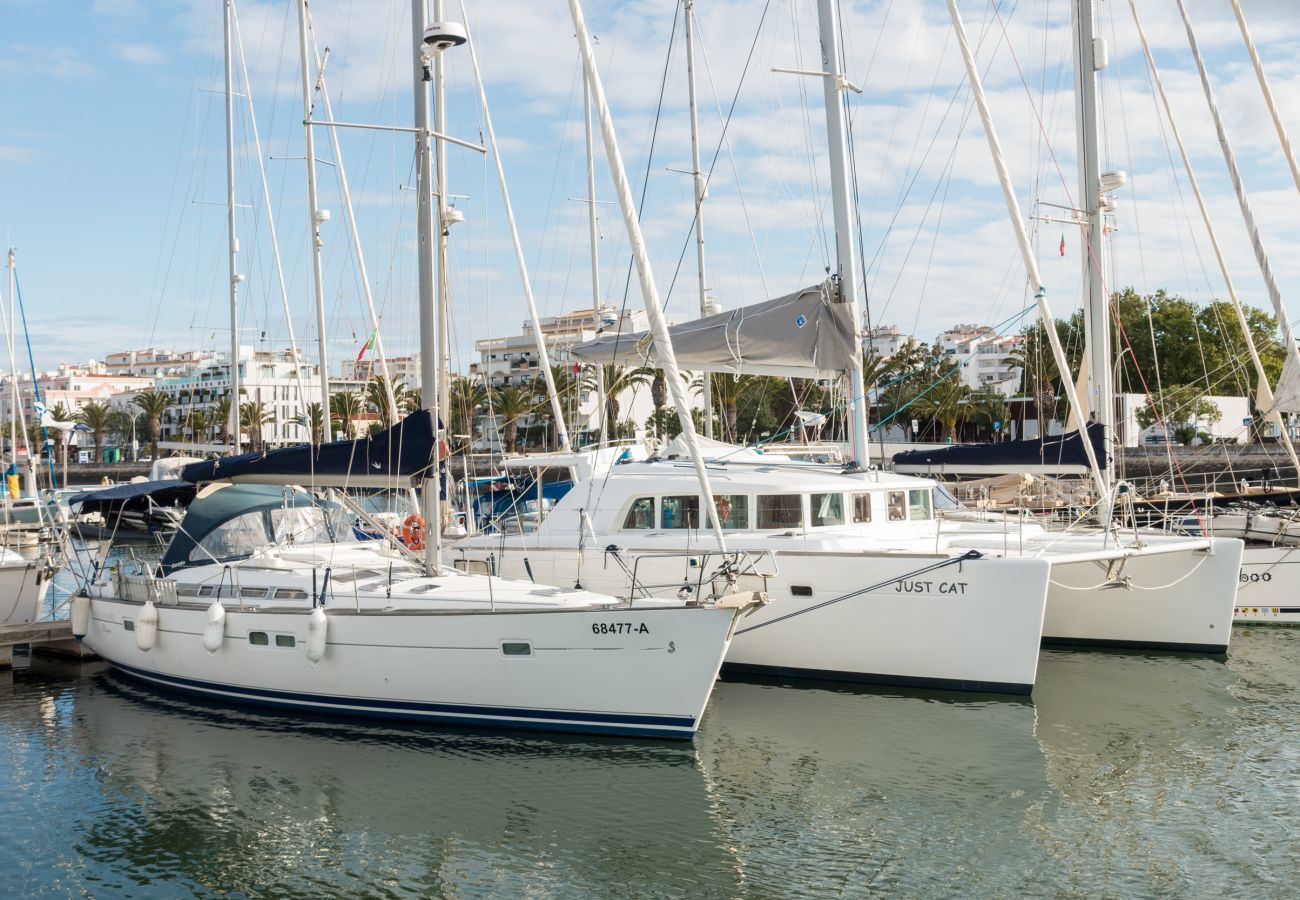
point(23, 584)
point(973, 625)
point(443, 667)
point(1179, 600)
point(1269, 593)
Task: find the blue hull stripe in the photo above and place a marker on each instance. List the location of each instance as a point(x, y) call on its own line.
point(613, 723)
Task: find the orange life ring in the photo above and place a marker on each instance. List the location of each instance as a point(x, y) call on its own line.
point(413, 532)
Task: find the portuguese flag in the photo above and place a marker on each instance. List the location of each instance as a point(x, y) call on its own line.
point(370, 342)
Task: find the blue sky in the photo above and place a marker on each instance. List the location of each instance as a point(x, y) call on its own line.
point(112, 161)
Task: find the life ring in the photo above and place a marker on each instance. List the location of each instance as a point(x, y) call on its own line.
point(413, 532)
point(724, 508)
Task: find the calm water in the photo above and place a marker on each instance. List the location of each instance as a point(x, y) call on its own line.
point(1127, 775)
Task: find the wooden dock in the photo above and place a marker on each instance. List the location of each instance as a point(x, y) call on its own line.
point(54, 638)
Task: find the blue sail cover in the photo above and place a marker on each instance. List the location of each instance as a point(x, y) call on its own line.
point(1061, 454)
point(393, 458)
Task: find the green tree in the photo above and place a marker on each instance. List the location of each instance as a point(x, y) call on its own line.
point(313, 419)
point(98, 417)
point(345, 408)
point(511, 404)
point(618, 379)
point(254, 416)
point(945, 403)
point(468, 396)
point(1180, 409)
point(153, 405)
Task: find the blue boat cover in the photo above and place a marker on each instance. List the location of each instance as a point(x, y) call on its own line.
point(165, 492)
point(391, 458)
point(1062, 453)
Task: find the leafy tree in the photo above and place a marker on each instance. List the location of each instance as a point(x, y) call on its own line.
point(254, 416)
point(468, 397)
point(98, 417)
point(153, 405)
point(345, 408)
point(511, 404)
point(945, 403)
point(617, 380)
point(313, 419)
point(1180, 408)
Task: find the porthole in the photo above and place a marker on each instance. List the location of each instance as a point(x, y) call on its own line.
point(516, 648)
point(128, 624)
point(800, 590)
point(285, 640)
point(258, 638)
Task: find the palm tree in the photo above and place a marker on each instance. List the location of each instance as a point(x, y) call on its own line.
point(617, 380)
point(377, 398)
point(945, 404)
point(220, 417)
point(253, 417)
point(511, 404)
point(153, 404)
point(197, 424)
point(566, 385)
point(98, 417)
point(313, 420)
point(468, 396)
point(989, 405)
point(61, 413)
point(727, 390)
point(345, 408)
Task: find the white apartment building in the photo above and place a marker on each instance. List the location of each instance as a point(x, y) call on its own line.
point(71, 387)
point(405, 369)
point(153, 362)
point(283, 384)
point(886, 341)
point(983, 355)
point(513, 361)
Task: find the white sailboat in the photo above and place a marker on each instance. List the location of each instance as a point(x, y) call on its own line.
point(260, 598)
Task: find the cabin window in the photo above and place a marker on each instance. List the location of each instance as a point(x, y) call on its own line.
point(285, 640)
point(733, 510)
point(780, 511)
point(679, 512)
point(827, 509)
point(128, 624)
point(516, 648)
point(290, 594)
point(258, 638)
point(920, 504)
point(897, 506)
point(861, 508)
point(641, 515)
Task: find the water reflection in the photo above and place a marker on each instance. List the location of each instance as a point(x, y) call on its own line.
point(234, 800)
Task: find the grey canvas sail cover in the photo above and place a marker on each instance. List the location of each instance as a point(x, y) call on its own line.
point(804, 334)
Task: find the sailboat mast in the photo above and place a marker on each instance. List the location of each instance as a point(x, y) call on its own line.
point(1101, 389)
point(593, 236)
point(235, 277)
point(444, 229)
point(317, 216)
point(697, 178)
point(431, 503)
point(834, 84)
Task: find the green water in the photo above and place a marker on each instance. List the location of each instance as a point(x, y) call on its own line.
point(1125, 775)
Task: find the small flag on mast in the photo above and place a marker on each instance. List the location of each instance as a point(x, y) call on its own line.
point(1062, 243)
point(371, 340)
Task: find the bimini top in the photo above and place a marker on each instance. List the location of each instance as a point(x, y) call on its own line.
point(230, 521)
point(808, 333)
point(392, 458)
point(166, 491)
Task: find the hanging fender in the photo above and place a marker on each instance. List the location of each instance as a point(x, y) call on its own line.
point(214, 630)
point(146, 627)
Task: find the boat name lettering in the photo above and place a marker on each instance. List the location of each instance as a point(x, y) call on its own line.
point(930, 587)
point(619, 628)
point(1255, 577)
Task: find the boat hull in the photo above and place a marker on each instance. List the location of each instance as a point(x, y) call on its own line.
point(1269, 594)
point(917, 619)
point(23, 586)
point(646, 673)
point(1162, 600)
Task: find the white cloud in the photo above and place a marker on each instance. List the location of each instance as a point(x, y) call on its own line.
point(139, 54)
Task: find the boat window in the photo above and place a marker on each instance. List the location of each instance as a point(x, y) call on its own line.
point(733, 510)
point(128, 624)
point(207, 590)
point(254, 592)
point(827, 509)
point(258, 638)
point(780, 510)
point(290, 594)
point(897, 506)
point(680, 512)
point(920, 504)
point(304, 525)
point(347, 576)
point(285, 640)
point(641, 514)
point(516, 648)
point(239, 536)
point(861, 508)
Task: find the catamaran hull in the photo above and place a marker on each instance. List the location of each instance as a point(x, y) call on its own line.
point(23, 586)
point(968, 625)
point(1270, 586)
point(645, 672)
point(1156, 600)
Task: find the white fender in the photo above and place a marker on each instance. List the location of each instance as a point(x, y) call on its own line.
point(80, 616)
point(214, 631)
point(146, 626)
point(317, 627)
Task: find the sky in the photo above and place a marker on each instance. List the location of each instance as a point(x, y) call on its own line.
point(112, 163)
